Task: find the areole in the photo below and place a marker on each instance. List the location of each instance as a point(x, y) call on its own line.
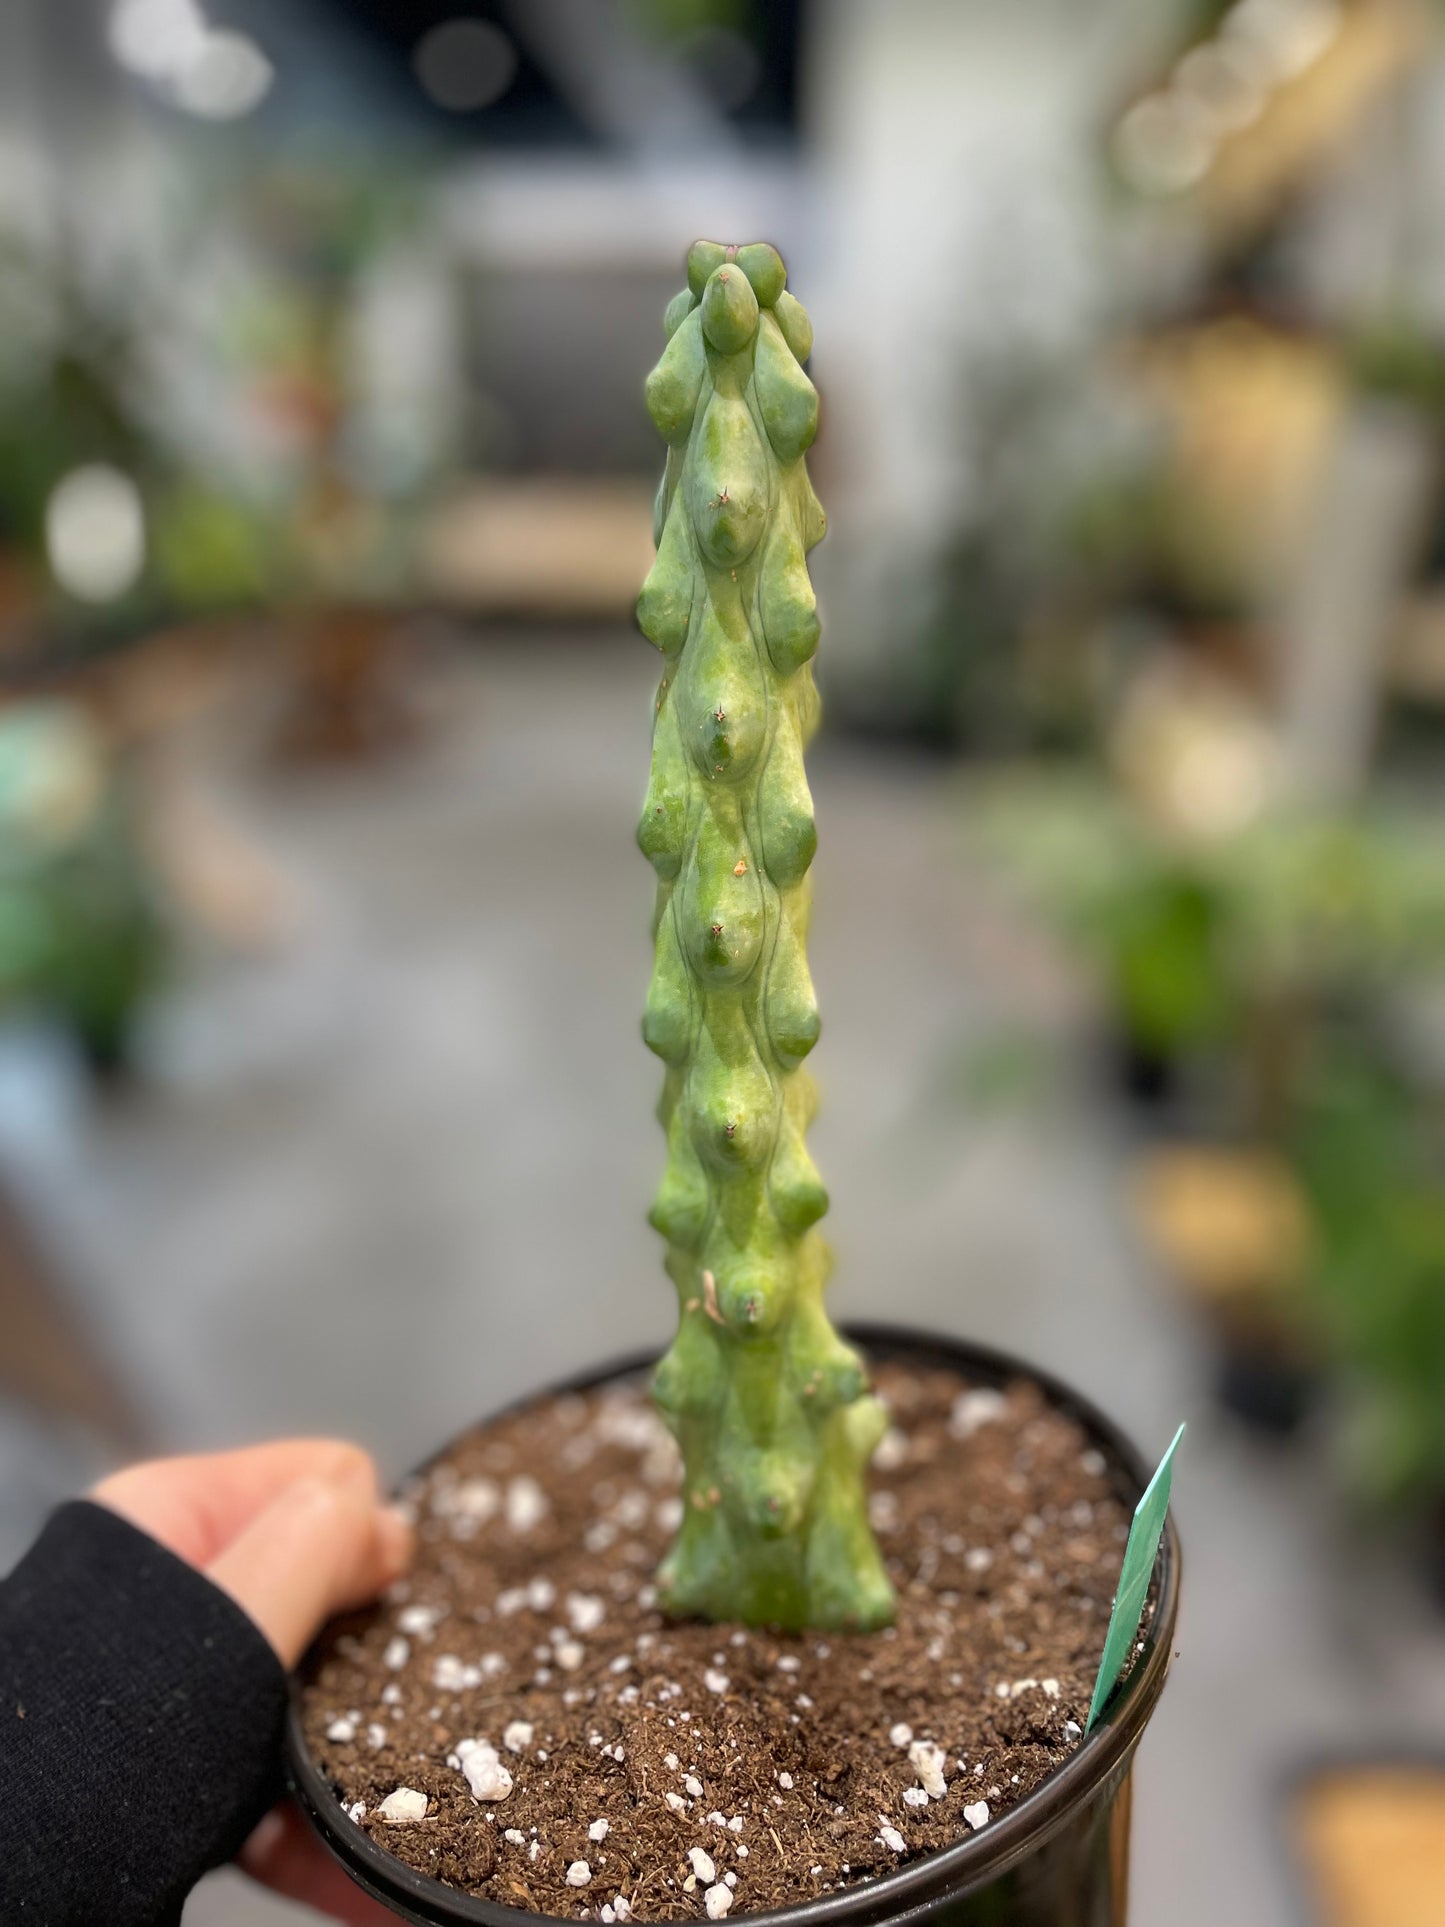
point(1058, 1859)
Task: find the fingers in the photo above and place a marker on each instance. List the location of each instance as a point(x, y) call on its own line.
point(320, 1547)
point(285, 1856)
point(196, 1506)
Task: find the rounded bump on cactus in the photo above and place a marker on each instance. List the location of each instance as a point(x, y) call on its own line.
point(664, 603)
point(796, 326)
point(729, 310)
point(763, 265)
point(677, 311)
point(751, 1299)
point(703, 259)
point(728, 497)
point(688, 1381)
point(675, 384)
point(787, 399)
point(786, 602)
point(799, 1195)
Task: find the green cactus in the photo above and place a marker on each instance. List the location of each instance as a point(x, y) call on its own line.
point(771, 1409)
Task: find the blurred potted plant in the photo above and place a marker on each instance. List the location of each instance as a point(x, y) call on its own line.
point(1368, 1140)
point(82, 933)
point(871, 1704)
point(1233, 937)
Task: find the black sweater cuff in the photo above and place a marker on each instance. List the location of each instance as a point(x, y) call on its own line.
point(140, 1727)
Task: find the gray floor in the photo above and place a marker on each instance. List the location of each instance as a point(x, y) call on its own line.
point(397, 1171)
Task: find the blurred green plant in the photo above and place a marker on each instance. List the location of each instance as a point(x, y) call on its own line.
point(1368, 1140)
point(1196, 942)
point(1397, 358)
point(1272, 961)
point(82, 932)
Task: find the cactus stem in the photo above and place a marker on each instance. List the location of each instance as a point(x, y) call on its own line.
point(769, 1405)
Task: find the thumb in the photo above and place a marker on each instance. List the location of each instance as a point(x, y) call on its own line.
point(317, 1549)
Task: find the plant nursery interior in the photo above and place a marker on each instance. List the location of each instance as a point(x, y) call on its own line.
point(326, 493)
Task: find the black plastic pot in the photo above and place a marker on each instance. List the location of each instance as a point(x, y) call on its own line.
point(1058, 1859)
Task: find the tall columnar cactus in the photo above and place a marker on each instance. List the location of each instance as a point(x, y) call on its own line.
point(770, 1407)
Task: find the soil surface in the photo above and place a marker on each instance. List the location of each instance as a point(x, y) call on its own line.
point(519, 1721)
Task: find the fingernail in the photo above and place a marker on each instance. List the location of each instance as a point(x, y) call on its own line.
point(395, 1537)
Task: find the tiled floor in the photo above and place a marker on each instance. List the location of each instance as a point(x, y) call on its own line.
point(397, 1171)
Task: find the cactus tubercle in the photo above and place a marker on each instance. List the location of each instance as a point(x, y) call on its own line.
point(770, 1407)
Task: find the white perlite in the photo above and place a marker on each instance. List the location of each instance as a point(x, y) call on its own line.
point(926, 1759)
point(1013, 1689)
point(693, 1785)
point(578, 1874)
point(585, 1611)
point(526, 1504)
point(715, 1681)
point(1072, 1730)
point(517, 1735)
point(516, 1836)
point(419, 1621)
point(398, 1652)
point(475, 1499)
point(892, 1839)
point(717, 1900)
point(977, 1815)
point(599, 1830)
point(914, 1796)
point(676, 1802)
point(703, 1864)
point(485, 1774)
point(570, 1654)
point(901, 1734)
point(785, 1781)
point(341, 1731)
point(403, 1808)
point(452, 1675)
point(973, 1409)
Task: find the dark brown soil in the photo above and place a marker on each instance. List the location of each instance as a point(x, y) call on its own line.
point(529, 1625)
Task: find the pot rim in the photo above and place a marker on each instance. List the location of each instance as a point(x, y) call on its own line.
point(970, 1863)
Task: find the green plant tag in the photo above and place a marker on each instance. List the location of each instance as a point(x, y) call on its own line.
point(1138, 1569)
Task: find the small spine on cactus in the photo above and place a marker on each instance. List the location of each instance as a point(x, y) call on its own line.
point(770, 1407)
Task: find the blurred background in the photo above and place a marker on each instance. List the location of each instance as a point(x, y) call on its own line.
point(324, 494)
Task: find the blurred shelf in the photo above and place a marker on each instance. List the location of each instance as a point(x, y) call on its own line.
point(554, 547)
point(1371, 1841)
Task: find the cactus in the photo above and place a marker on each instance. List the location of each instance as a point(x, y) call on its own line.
point(770, 1408)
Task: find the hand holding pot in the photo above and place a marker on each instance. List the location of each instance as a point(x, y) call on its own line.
point(294, 1532)
point(144, 1645)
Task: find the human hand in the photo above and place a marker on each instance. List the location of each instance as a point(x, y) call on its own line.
point(294, 1532)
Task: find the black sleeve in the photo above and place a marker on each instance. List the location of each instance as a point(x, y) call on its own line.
point(140, 1727)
